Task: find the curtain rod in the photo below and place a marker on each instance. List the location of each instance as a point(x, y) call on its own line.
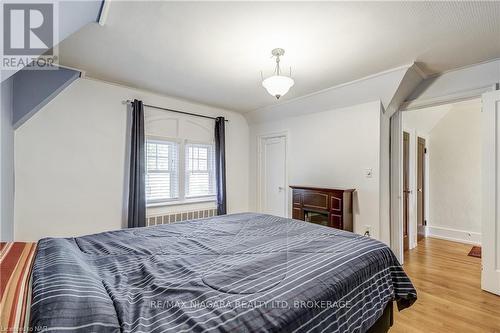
point(172, 110)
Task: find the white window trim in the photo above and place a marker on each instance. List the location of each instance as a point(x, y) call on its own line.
point(181, 186)
point(172, 172)
point(180, 203)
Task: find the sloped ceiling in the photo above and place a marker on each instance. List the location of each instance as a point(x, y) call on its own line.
point(424, 120)
point(383, 87)
point(213, 52)
point(73, 15)
point(34, 89)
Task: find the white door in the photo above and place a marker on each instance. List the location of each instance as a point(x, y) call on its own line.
point(273, 175)
point(490, 233)
point(396, 186)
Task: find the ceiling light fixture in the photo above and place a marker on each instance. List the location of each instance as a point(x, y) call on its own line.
point(278, 85)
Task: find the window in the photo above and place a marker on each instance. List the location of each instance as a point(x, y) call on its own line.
point(161, 170)
point(179, 171)
point(200, 175)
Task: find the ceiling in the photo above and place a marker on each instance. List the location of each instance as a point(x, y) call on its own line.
point(424, 120)
point(213, 53)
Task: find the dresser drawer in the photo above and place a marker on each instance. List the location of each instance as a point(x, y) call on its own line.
point(297, 198)
point(336, 221)
point(315, 200)
point(297, 213)
point(336, 203)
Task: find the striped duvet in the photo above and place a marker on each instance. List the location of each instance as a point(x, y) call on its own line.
point(234, 273)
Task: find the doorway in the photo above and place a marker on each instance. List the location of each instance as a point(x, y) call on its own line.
point(441, 160)
point(488, 174)
point(273, 185)
point(420, 185)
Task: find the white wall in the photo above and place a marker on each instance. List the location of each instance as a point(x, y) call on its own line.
point(331, 149)
point(7, 163)
point(455, 173)
point(71, 160)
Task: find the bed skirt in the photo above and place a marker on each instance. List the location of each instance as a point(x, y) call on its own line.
point(384, 323)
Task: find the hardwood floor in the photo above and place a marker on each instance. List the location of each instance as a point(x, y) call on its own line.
point(450, 298)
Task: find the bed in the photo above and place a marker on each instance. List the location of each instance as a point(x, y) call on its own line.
point(234, 273)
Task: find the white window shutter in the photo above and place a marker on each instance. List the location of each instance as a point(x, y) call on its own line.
point(200, 170)
point(162, 164)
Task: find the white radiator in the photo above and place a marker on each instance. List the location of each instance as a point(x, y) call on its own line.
point(180, 216)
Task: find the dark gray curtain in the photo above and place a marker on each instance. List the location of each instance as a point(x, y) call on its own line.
point(220, 164)
point(137, 184)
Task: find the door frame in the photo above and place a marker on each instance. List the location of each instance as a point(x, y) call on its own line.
point(414, 135)
point(395, 156)
point(260, 141)
point(409, 208)
point(490, 231)
point(426, 184)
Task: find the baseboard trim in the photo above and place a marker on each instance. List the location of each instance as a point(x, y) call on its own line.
point(454, 235)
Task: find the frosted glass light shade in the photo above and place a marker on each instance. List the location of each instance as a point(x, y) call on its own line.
point(278, 85)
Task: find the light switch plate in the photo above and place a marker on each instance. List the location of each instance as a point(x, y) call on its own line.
point(368, 172)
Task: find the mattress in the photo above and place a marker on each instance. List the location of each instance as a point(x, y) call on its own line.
point(233, 273)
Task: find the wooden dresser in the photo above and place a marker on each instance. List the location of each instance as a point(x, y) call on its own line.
point(331, 207)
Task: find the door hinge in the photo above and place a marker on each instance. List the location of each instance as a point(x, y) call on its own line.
point(425, 150)
point(425, 222)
